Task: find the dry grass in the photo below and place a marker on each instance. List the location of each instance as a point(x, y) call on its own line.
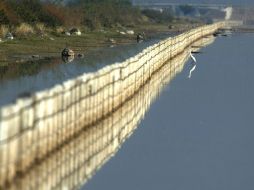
point(60, 29)
point(40, 28)
point(24, 29)
point(3, 30)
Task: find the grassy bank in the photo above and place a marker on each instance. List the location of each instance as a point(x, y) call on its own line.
point(25, 48)
point(41, 28)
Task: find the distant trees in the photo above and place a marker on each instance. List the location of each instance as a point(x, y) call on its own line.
point(158, 16)
point(107, 13)
point(29, 11)
point(187, 9)
point(8, 16)
point(62, 15)
point(3, 18)
point(90, 13)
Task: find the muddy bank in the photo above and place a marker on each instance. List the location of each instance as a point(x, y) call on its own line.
point(17, 79)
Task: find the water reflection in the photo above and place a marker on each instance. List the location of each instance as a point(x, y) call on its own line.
point(68, 59)
point(197, 132)
point(28, 68)
point(195, 50)
point(37, 75)
point(76, 161)
point(193, 67)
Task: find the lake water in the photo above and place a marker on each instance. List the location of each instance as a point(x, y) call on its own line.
point(199, 133)
point(29, 77)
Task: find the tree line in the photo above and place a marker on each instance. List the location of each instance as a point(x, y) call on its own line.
point(92, 14)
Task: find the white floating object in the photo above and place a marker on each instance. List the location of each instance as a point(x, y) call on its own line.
point(9, 36)
point(130, 32)
point(75, 31)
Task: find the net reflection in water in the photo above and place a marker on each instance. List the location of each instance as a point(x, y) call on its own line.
point(76, 159)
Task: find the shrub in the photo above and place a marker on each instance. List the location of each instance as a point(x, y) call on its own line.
point(40, 28)
point(106, 13)
point(32, 11)
point(24, 29)
point(3, 30)
point(158, 16)
point(63, 15)
point(187, 9)
point(91, 13)
point(3, 18)
point(60, 29)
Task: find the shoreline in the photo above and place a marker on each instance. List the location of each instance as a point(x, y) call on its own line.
point(48, 46)
point(31, 76)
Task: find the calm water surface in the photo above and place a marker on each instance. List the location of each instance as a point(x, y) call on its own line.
point(198, 135)
point(33, 76)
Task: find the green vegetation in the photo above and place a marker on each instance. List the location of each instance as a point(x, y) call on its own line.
point(90, 13)
point(158, 16)
point(3, 18)
point(110, 13)
point(41, 27)
point(187, 9)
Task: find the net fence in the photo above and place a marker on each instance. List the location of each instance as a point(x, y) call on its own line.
point(59, 137)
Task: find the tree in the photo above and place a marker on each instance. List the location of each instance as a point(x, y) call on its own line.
point(187, 9)
point(3, 18)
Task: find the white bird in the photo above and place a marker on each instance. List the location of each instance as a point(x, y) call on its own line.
point(193, 58)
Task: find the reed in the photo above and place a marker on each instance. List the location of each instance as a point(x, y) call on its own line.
point(24, 29)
